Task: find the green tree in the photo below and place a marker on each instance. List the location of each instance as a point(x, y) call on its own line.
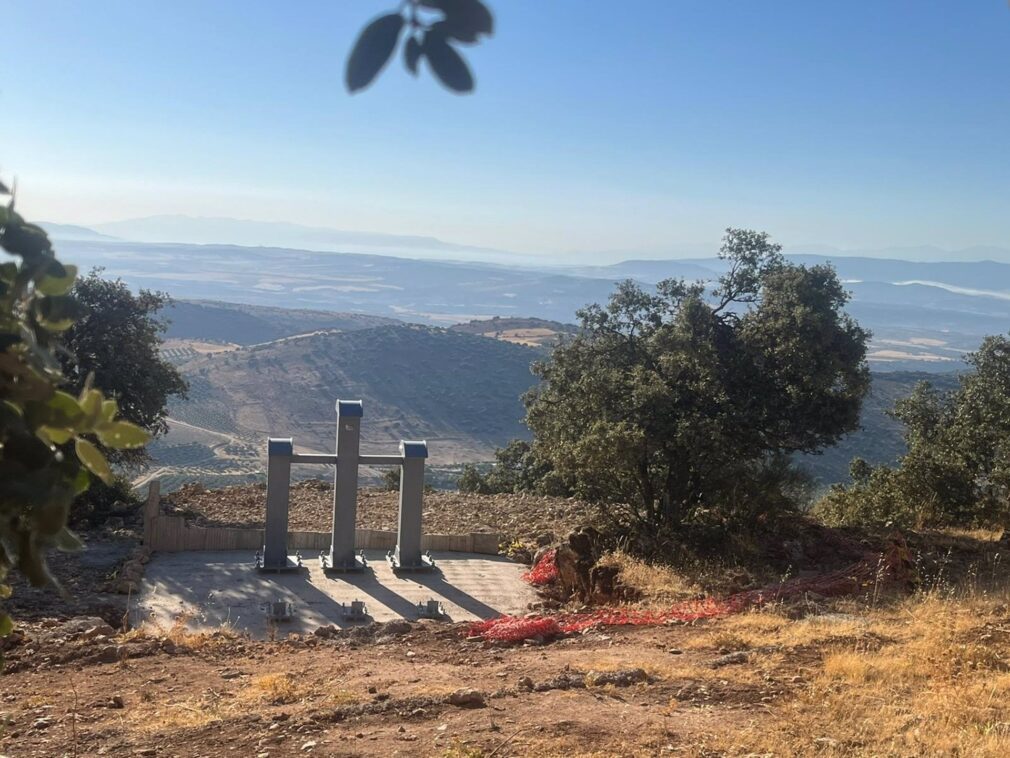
point(118, 342)
point(956, 470)
point(516, 468)
point(671, 407)
point(49, 438)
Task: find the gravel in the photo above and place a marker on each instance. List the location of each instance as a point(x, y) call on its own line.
point(521, 516)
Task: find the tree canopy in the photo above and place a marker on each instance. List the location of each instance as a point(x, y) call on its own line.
point(956, 470)
point(677, 406)
point(117, 341)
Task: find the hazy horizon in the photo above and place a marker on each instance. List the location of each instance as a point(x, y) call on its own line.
point(204, 230)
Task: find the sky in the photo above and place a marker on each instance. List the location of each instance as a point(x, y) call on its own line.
point(598, 130)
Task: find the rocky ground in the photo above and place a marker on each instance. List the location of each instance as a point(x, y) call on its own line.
point(519, 516)
point(869, 676)
point(394, 689)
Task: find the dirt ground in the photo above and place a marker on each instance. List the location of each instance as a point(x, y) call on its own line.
point(517, 516)
point(611, 692)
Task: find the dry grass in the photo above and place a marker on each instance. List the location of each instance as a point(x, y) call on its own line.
point(658, 585)
point(277, 689)
point(180, 634)
point(938, 686)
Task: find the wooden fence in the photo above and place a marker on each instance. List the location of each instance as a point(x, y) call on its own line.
point(171, 534)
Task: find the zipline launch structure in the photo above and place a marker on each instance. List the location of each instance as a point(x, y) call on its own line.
point(406, 556)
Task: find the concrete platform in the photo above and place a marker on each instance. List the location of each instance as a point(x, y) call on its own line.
point(214, 588)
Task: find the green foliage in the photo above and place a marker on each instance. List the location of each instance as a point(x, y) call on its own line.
point(957, 468)
point(516, 468)
point(671, 407)
point(434, 28)
point(48, 437)
point(117, 341)
point(391, 479)
point(94, 506)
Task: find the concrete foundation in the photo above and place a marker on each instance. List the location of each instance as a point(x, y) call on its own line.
point(215, 588)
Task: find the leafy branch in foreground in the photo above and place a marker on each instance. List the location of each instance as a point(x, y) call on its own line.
point(434, 28)
point(49, 438)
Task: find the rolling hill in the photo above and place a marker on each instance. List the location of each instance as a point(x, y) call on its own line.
point(532, 332)
point(461, 392)
point(241, 324)
point(879, 439)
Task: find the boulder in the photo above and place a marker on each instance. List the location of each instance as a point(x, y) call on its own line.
point(467, 698)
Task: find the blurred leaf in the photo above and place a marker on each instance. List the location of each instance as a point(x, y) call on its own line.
point(63, 410)
point(109, 409)
point(469, 17)
point(372, 50)
point(6, 625)
point(58, 280)
point(456, 32)
point(92, 457)
point(58, 313)
point(68, 542)
point(92, 406)
point(81, 481)
point(122, 435)
point(56, 435)
point(447, 64)
point(412, 54)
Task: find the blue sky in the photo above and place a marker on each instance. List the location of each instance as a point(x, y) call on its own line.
point(597, 129)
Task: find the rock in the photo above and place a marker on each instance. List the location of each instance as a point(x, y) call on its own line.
point(109, 654)
point(82, 626)
point(730, 659)
point(124, 587)
point(467, 698)
point(99, 630)
point(544, 539)
point(394, 628)
point(43, 723)
point(525, 684)
point(675, 651)
point(325, 632)
point(309, 745)
point(115, 702)
point(619, 678)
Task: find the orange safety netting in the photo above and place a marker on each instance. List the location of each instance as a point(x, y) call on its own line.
point(892, 564)
point(545, 571)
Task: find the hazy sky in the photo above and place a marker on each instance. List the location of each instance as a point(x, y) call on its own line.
point(596, 126)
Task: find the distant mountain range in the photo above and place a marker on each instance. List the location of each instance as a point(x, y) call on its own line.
point(210, 230)
point(199, 230)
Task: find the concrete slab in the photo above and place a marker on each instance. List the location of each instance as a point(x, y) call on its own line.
point(215, 588)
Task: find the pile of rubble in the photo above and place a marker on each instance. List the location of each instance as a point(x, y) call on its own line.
point(521, 516)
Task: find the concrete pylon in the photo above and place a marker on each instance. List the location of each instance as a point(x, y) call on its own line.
point(275, 532)
point(345, 487)
point(407, 555)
